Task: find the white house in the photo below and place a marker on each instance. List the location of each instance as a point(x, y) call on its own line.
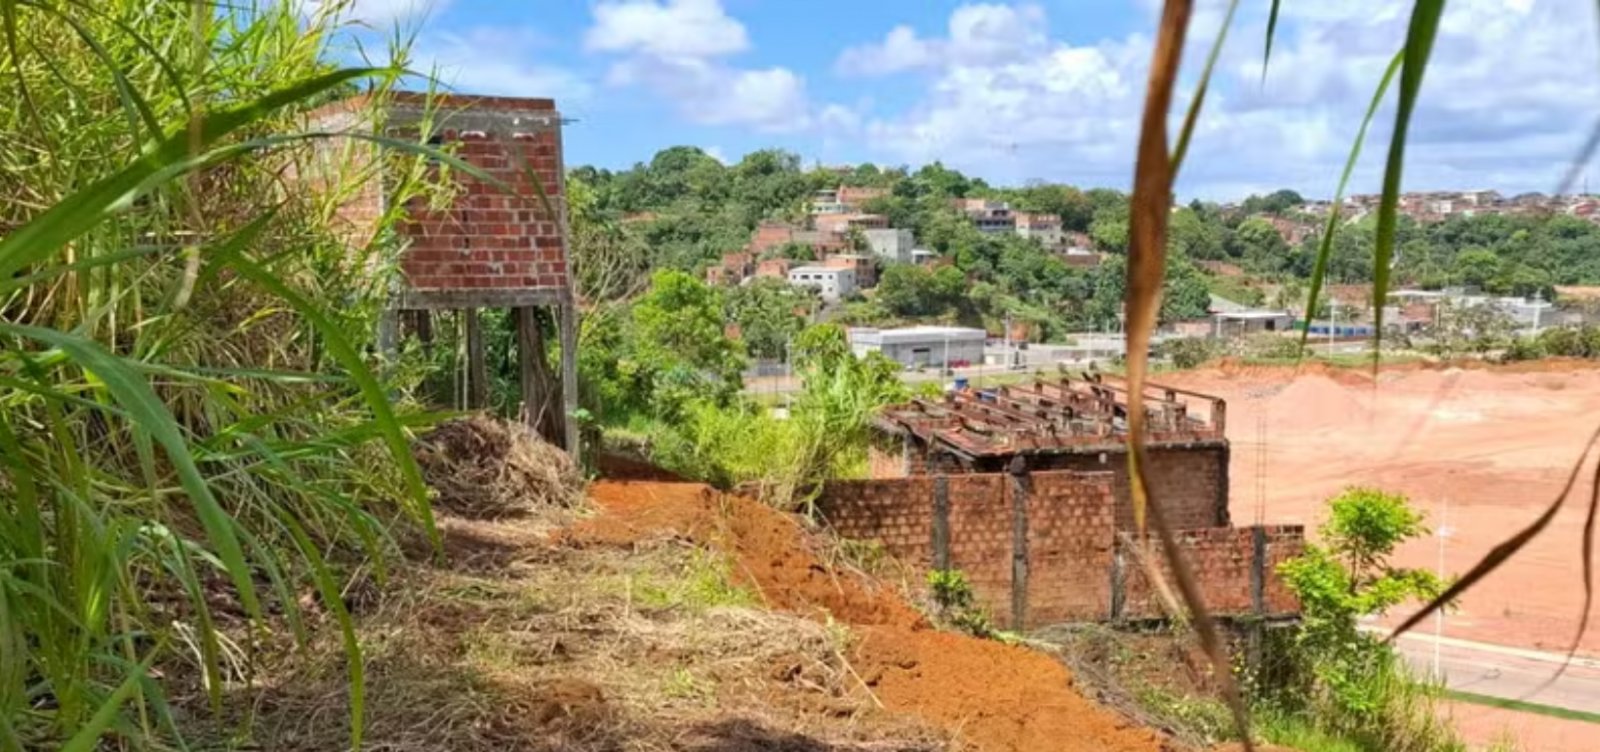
point(831, 282)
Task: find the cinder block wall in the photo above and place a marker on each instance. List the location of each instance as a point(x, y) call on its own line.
point(488, 246)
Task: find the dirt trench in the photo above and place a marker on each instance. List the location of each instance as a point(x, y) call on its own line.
point(989, 695)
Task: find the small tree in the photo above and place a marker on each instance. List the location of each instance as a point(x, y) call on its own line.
point(1355, 686)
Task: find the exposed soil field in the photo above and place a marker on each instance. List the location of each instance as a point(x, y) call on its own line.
point(1481, 450)
point(988, 695)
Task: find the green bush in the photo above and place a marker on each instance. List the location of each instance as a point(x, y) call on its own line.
point(958, 606)
point(823, 436)
point(1342, 681)
point(1189, 352)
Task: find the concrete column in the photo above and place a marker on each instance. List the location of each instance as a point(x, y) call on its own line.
point(1019, 484)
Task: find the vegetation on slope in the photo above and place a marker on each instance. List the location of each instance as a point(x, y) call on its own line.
point(191, 438)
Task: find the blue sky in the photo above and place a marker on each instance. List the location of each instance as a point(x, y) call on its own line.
point(1019, 91)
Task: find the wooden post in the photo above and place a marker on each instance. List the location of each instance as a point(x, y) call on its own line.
point(541, 399)
point(477, 363)
point(389, 335)
point(1118, 580)
point(424, 325)
point(569, 373)
point(529, 375)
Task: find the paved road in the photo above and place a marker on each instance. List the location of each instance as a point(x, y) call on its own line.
point(1507, 672)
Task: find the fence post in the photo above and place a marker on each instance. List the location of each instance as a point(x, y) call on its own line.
point(941, 523)
point(1019, 486)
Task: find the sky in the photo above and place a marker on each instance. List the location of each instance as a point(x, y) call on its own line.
point(1041, 90)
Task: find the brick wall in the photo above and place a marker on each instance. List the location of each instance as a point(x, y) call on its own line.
point(1191, 483)
point(1068, 535)
point(980, 538)
point(1223, 560)
point(1075, 565)
point(486, 241)
point(1070, 541)
point(895, 513)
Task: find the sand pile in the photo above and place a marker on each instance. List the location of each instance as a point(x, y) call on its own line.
point(1315, 403)
point(484, 468)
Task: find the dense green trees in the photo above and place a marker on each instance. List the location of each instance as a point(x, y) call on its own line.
point(684, 209)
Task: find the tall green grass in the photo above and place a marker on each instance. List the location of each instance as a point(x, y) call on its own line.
point(193, 442)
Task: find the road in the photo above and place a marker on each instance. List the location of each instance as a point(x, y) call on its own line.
point(1507, 672)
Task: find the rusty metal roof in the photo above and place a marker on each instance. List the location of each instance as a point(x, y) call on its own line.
point(1050, 416)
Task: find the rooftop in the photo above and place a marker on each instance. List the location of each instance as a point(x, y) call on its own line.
point(815, 269)
point(911, 332)
point(1251, 314)
point(1054, 416)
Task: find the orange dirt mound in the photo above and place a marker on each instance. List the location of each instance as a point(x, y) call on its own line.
point(1000, 697)
point(993, 696)
point(767, 547)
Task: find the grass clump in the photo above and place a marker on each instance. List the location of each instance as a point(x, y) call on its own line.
point(189, 439)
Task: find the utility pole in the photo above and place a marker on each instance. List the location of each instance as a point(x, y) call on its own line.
point(947, 369)
point(1007, 352)
point(1444, 532)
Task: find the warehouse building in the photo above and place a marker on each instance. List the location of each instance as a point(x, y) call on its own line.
point(922, 346)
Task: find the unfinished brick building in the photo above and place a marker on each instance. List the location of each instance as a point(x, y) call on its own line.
point(1024, 489)
point(499, 243)
point(1069, 424)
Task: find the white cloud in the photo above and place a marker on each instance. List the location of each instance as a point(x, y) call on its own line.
point(1507, 98)
point(460, 62)
point(771, 99)
point(672, 49)
point(379, 12)
point(672, 28)
point(978, 34)
point(900, 50)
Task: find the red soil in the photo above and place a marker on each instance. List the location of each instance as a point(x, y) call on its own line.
point(993, 696)
point(1480, 449)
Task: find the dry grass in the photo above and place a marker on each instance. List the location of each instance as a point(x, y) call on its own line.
point(485, 468)
point(520, 643)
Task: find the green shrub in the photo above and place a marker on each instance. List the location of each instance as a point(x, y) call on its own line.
point(1344, 682)
point(1189, 352)
point(952, 595)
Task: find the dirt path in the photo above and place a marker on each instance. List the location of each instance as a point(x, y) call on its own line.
point(992, 696)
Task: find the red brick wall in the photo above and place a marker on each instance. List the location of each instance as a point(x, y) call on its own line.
point(1222, 559)
point(895, 513)
point(1284, 542)
point(1071, 545)
point(980, 538)
point(487, 239)
point(1070, 540)
point(1190, 483)
point(768, 236)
